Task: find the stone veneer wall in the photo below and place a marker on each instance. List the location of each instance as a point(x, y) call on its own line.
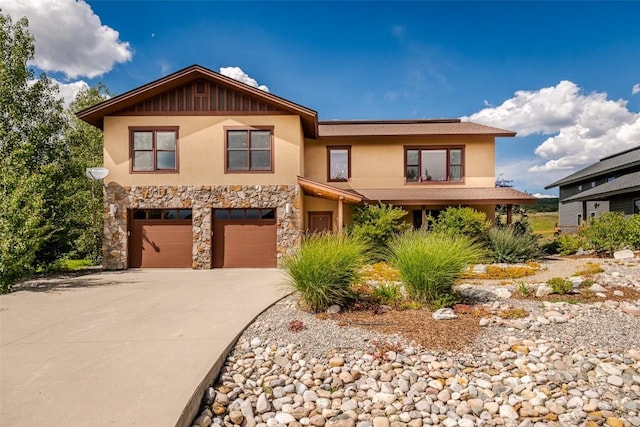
point(201, 200)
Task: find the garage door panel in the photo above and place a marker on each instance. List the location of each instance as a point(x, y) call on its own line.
point(161, 244)
point(245, 244)
point(250, 245)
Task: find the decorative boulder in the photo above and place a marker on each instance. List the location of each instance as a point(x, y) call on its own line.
point(444, 314)
point(624, 254)
point(334, 309)
point(543, 291)
point(479, 269)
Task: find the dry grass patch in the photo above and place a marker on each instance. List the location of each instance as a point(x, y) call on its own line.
point(498, 272)
point(380, 272)
point(586, 297)
point(589, 269)
point(513, 313)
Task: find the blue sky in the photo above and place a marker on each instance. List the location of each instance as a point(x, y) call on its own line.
point(564, 75)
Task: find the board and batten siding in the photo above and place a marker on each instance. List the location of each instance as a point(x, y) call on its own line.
point(624, 203)
point(568, 213)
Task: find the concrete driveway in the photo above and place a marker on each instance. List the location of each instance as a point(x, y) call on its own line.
point(123, 348)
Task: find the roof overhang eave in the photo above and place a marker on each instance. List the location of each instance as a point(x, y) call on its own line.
point(325, 191)
point(600, 196)
point(453, 202)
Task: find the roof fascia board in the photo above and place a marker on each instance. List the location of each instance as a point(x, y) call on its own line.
point(416, 202)
point(566, 181)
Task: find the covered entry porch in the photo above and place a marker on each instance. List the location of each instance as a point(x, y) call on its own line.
point(325, 204)
point(430, 201)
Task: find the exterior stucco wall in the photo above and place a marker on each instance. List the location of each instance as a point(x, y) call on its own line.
point(379, 163)
point(201, 200)
point(317, 204)
point(201, 150)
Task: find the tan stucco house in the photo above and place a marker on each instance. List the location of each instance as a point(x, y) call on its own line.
point(208, 172)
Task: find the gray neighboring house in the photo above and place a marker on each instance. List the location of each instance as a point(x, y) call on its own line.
point(612, 184)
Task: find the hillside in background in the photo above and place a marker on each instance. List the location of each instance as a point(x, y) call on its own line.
point(542, 205)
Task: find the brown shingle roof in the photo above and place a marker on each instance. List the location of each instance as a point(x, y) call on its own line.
point(440, 196)
point(357, 128)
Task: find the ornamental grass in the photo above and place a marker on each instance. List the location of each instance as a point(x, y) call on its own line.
point(324, 268)
point(430, 263)
point(509, 246)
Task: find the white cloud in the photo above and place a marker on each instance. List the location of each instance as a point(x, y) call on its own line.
point(582, 128)
point(545, 196)
point(512, 169)
point(68, 91)
point(69, 37)
point(236, 73)
point(635, 89)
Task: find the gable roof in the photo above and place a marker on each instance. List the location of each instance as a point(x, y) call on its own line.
point(373, 128)
point(119, 104)
point(609, 164)
point(625, 184)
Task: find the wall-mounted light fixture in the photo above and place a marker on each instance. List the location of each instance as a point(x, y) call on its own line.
point(596, 205)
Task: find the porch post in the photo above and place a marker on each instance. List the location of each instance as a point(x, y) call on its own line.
point(509, 214)
point(340, 214)
point(423, 208)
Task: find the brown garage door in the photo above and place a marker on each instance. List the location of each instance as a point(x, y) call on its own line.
point(161, 238)
point(244, 238)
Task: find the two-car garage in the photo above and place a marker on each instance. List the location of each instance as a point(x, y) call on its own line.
point(164, 238)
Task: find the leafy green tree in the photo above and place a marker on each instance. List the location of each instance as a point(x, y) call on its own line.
point(33, 159)
point(86, 203)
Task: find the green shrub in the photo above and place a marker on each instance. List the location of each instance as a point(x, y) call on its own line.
point(447, 300)
point(607, 233)
point(467, 221)
point(522, 227)
point(430, 263)
point(524, 289)
point(569, 244)
point(376, 225)
point(323, 269)
point(633, 231)
point(560, 285)
point(550, 247)
point(512, 245)
point(388, 293)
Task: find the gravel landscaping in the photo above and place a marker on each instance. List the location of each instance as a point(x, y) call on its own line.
point(562, 364)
